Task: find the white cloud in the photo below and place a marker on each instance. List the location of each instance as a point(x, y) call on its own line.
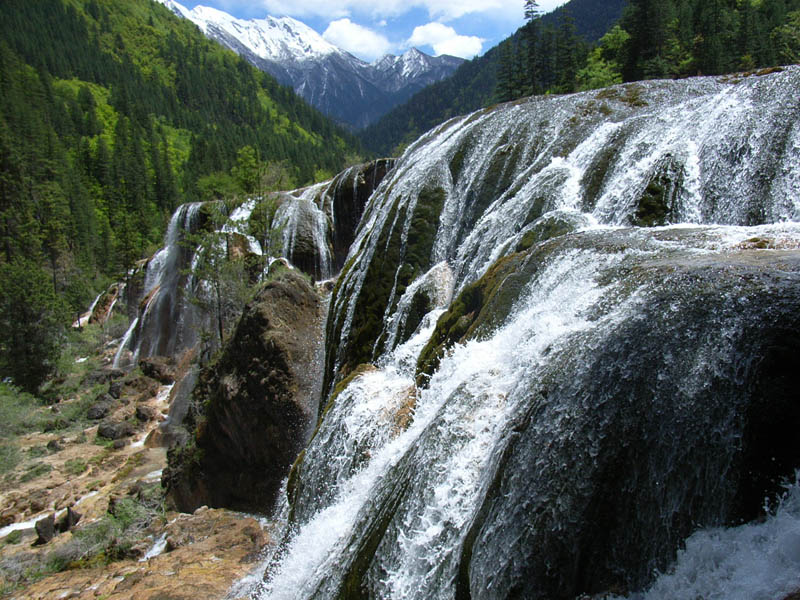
point(356, 39)
point(442, 10)
point(444, 40)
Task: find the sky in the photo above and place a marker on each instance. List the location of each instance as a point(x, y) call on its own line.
point(371, 28)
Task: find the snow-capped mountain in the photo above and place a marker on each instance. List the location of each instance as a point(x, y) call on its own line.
point(339, 84)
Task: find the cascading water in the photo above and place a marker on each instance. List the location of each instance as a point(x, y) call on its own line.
point(166, 324)
point(597, 389)
point(304, 229)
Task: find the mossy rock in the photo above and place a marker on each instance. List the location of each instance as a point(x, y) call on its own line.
point(295, 473)
point(478, 308)
point(656, 205)
point(254, 401)
point(393, 267)
point(549, 226)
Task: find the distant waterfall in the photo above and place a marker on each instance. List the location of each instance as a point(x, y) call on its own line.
point(167, 322)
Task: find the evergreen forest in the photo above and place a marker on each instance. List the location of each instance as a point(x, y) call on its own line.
point(113, 112)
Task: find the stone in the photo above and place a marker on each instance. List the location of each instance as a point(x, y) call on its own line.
point(258, 398)
point(45, 530)
point(146, 413)
point(55, 445)
point(115, 389)
point(141, 385)
point(98, 411)
point(103, 376)
point(158, 368)
point(115, 431)
point(69, 520)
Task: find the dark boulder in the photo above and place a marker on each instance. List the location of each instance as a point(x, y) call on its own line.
point(103, 376)
point(350, 192)
point(159, 368)
point(146, 413)
point(260, 402)
point(45, 530)
point(115, 389)
point(649, 411)
point(69, 520)
point(101, 408)
point(115, 431)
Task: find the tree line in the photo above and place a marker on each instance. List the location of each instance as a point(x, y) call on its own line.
point(653, 39)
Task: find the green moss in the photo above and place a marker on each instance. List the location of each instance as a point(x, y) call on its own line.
point(420, 306)
point(393, 267)
point(15, 537)
point(548, 227)
point(75, 466)
point(467, 316)
point(496, 179)
point(364, 552)
point(291, 482)
point(656, 203)
point(633, 95)
point(297, 467)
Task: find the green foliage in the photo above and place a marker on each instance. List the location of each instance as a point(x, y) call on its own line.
point(18, 411)
point(9, 458)
point(75, 466)
point(786, 39)
point(602, 68)
point(222, 285)
point(31, 323)
point(690, 37)
point(120, 116)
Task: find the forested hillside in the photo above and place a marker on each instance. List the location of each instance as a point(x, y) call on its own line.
point(673, 38)
point(111, 113)
point(573, 26)
point(652, 39)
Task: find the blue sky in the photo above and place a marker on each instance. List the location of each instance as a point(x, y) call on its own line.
point(371, 28)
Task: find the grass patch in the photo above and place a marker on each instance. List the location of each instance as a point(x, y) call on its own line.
point(35, 471)
point(15, 537)
point(20, 412)
point(9, 458)
point(75, 466)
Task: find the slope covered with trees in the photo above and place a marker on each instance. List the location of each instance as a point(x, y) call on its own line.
point(111, 113)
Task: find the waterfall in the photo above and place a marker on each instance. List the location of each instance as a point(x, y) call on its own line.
point(567, 329)
point(304, 230)
point(166, 323)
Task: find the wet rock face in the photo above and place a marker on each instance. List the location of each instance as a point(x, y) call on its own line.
point(350, 194)
point(256, 402)
point(689, 386)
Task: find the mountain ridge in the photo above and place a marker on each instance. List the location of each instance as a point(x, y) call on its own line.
point(346, 88)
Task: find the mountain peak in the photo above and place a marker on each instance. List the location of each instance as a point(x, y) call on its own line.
point(336, 82)
point(271, 38)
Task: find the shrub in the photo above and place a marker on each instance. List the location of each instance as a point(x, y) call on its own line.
point(9, 458)
point(75, 466)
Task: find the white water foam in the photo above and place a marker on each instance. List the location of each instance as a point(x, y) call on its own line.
point(755, 561)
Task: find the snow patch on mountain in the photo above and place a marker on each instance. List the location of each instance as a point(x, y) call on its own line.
point(339, 84)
